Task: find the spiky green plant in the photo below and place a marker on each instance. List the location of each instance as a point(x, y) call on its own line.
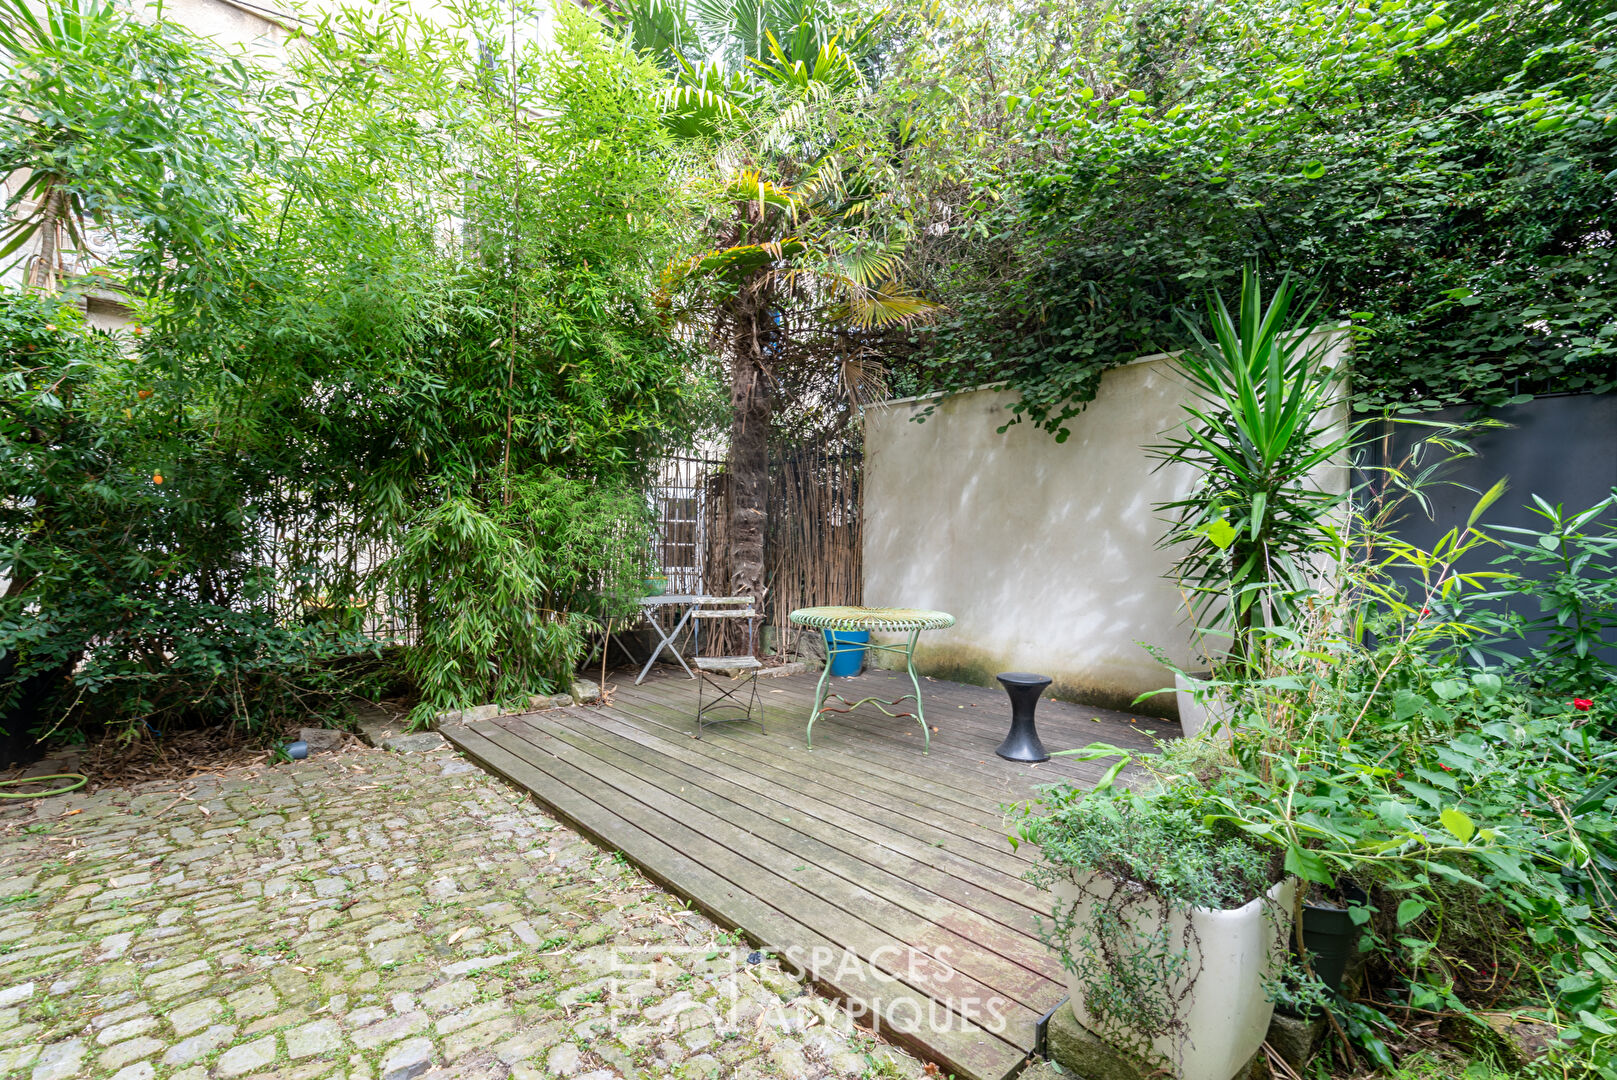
point(1264, 432)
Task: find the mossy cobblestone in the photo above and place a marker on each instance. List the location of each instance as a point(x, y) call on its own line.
point(366, 915)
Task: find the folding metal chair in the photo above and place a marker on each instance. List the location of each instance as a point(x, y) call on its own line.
point(742, 693)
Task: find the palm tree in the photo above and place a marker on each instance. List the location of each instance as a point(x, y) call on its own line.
point(798, 237)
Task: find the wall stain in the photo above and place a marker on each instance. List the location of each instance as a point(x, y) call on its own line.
point(977, 667)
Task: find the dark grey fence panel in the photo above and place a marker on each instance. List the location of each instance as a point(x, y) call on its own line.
point(1562, 448)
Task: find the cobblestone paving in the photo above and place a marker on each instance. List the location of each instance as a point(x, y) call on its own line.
point(372, 916)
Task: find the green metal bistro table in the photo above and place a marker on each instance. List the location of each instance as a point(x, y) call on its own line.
point(908, 621)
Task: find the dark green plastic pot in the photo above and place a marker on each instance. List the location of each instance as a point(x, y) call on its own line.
point(1330, 937)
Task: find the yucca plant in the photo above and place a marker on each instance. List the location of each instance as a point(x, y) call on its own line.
point(1262, 432)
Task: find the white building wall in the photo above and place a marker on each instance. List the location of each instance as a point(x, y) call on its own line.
point(1045, 553)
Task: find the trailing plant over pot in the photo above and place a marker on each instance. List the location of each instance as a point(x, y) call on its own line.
point(1169, 926)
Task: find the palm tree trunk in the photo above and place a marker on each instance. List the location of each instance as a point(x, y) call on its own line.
point(44, 275)
point(751, 405)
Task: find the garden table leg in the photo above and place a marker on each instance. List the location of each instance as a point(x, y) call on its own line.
point(819, 689)
point(820, 694)
point(667, 640)
point(920, 715)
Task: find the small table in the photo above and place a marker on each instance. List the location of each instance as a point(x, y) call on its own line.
point(690, 604)
point(909, 621)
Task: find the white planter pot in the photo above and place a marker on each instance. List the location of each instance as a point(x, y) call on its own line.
point(1231, 953)
point(1198, 707)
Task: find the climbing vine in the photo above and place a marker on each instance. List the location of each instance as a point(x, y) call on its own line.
point(1442, 171)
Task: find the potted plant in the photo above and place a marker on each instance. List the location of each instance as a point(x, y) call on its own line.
point(1258, 435)
point(1170, 923)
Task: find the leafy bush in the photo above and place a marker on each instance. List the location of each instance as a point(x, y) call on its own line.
point(1375, 741)
point(132, 596)
point(1441, 171)
point(1154, 837)
point(504, 595)
point(344, 352)
point(1568, 588)
point(1476, 804)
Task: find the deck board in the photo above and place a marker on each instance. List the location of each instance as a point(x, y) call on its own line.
point(881, 872)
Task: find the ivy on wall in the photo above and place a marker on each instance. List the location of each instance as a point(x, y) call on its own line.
point(1442, 172)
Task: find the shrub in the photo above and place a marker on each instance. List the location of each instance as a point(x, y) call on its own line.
point(503, 596)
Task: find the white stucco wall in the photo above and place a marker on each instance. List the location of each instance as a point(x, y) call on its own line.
point(1045, 553)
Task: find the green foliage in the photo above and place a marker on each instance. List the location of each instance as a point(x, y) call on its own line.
point(158, 163)
point(1434, 1067)
point(799, 181)
point(1257, 438)
point(1372, 744)
point(1466, 837)
point(134, 592)
point(1570, 578)
point(401, 279)
point(1475, 804)
point(1156, 839)
point(1441, 171)
point(485, 634)
point(595, 537)
point(504, 595)
point(1127, 859)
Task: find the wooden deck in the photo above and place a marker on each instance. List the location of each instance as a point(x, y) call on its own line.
point(882, 873)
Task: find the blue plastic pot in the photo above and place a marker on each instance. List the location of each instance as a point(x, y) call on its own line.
point(847, 659)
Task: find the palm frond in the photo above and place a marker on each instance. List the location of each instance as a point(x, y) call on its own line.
point(736, 261)
point(700, 104)
point(869, 264)
point(659, 29)
point(750, 186)
point(888, 307)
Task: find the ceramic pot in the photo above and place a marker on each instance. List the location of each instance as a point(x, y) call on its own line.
point(1198, 707)
point(1231, 953)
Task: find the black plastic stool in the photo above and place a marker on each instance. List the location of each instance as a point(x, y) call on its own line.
point(1023, 744)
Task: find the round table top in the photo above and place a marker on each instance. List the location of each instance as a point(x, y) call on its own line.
point(871, 618)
